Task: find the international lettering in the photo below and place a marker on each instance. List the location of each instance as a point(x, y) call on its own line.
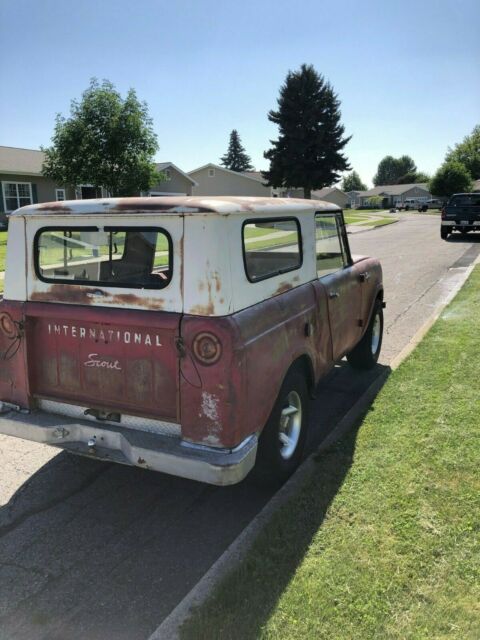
point(106, 336)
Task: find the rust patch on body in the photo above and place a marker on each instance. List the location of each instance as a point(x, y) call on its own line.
point(283, 287)
point(127, 205)
point(77, 295)
point(54, 207)
point(203, 310)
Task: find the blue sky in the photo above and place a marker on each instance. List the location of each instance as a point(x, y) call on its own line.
point(407, 73)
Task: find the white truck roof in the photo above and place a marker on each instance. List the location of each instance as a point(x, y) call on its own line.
point(223, 205)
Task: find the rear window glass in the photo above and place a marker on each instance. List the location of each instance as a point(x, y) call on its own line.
point(466, 200)
point(271, 247)
point(113, 257)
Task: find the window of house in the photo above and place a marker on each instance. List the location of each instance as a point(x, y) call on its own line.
point(330, 244)
point(16, 194)
point(60, 195)
point(113, 257)
point(271, 247)
point(211, 173)
point(168, 175)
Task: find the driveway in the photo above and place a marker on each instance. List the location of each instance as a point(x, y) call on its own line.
point(93, 551)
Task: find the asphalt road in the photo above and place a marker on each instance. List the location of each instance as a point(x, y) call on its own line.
point(93, 551)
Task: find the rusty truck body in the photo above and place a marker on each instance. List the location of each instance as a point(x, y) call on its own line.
point(180, 334)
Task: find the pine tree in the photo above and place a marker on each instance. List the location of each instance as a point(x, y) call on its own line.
point(236, 158)
point(307, 153)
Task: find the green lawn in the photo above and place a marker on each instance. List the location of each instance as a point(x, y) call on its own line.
point(382, 541)
point(351, 218)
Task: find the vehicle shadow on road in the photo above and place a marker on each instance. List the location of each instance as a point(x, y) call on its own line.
point(93, 550)
point(460, 238)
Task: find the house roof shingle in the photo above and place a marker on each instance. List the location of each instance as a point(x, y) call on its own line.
point(393, 189)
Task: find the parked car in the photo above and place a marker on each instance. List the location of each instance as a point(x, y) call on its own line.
point(461, 213)
point(180, 334)
point(433, 203)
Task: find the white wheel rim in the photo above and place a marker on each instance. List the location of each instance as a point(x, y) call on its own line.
point(376, 334)
point(290, 425)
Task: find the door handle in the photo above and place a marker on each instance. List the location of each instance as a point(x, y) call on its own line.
point(365, 276)
point(333, 294)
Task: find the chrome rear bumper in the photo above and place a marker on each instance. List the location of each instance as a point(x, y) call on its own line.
point(133, 447)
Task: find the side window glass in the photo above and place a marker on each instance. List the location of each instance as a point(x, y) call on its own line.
point(271, 247)
point(331, 254)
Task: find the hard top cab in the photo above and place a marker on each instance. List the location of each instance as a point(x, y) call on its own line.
point(160, 331)
point(461, 213)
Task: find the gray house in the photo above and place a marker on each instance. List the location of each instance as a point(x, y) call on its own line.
point(213, 180)
point(394, 194)
point(22, 182)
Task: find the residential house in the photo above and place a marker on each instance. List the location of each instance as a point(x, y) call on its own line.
point(354, 198)
point(395, 194)
point(176, 183)
point(213, 180)
point(22, 182)
point(331, 194)
point(327, 194)
point(476, 185)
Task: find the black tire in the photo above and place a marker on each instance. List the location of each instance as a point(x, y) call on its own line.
point(275, 464)
point(365, 354)
point(443, 233)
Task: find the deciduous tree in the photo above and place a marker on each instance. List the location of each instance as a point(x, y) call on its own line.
point(452, 177)
point(108, 141)
point(393, 170)
point(308, 152)
point(352, 182)
point(468, 153)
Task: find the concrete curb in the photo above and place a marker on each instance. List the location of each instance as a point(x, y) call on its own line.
point(379, 226)
point(169, 629)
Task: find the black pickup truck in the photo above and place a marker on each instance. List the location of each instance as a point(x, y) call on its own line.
point(461, 213)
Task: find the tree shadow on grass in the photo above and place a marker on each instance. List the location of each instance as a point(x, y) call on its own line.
point(249, 594)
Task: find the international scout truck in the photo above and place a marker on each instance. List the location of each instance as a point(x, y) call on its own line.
point(180, 334)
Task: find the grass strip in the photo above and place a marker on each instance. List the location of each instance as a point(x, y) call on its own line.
point(349, 219)
point(382, 541)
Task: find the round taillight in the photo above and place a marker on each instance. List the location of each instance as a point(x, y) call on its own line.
point(207, 348)
point(7, 325)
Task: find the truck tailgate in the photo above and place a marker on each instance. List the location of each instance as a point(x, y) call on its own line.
point(110, 360)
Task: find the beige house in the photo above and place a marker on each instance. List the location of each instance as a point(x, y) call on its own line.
point(177, 183)
point(213, 180)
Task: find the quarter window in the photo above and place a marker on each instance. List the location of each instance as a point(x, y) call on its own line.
point(113, 257)
point(271, 247)
point(16, 195)
point(330, 247)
